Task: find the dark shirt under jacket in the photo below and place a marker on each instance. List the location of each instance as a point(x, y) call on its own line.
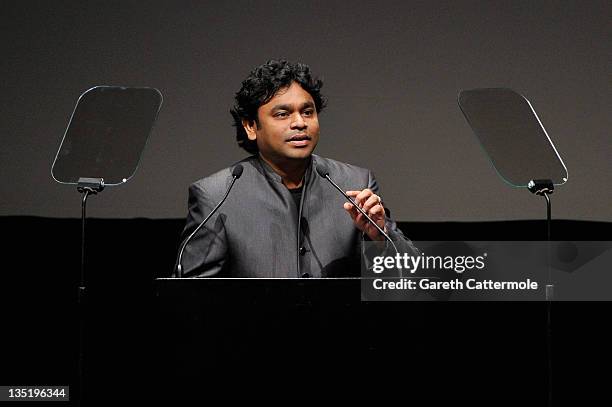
point(255, 232)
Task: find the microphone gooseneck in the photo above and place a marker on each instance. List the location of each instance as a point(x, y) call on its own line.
point(236, 173)
point(324, 172)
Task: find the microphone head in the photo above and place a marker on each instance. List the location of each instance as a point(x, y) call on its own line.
point(237, 171)
point(322, 170)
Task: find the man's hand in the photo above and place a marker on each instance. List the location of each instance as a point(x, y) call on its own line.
point(371, 204)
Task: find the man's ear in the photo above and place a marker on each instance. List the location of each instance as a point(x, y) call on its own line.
point(249, 127)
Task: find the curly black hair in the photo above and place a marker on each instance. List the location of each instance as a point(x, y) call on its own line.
point(261, 85)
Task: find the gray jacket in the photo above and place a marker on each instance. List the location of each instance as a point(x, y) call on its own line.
point(255, 232)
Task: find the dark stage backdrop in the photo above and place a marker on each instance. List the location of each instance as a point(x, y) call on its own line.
point(391, 69)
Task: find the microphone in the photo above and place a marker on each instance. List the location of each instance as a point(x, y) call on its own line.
point(236, 173)
point(323, 172)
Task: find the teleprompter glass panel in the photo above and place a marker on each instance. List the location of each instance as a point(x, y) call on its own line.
point(512, 135)
point(106, 134)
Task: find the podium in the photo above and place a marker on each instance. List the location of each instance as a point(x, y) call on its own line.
point(218, 327)
point(317, 333)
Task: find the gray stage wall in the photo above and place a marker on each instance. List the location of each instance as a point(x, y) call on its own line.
point(391, 69)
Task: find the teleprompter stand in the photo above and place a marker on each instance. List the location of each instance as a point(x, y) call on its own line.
point(85, 186)
point(517, 144)
point(519, 148)
point(102, 146)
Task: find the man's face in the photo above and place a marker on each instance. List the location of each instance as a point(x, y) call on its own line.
point(288, 126)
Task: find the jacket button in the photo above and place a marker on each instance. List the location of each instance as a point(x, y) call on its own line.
point(302, 251)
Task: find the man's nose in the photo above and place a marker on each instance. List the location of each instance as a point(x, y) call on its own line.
point(298, 122)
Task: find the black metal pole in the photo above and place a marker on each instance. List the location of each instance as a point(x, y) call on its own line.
point(86, 186)
point(83, 216)
point(547, 217)
point(549, 297)
point(81, 302)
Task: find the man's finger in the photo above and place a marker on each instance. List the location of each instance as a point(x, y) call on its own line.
point(354, 195)
point(371, 202)
point(351, 210)
point(363, 196)
point(377, 212)
point(361, 221)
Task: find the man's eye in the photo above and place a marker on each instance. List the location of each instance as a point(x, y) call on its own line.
point(281, 114)
point(308, 112)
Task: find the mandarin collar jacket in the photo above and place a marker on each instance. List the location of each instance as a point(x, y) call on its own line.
point(260, 232)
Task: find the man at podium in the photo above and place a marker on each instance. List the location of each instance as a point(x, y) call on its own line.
point(282, 218)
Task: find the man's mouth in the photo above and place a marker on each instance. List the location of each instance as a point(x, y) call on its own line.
point(299, 140)
point(299, 137)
